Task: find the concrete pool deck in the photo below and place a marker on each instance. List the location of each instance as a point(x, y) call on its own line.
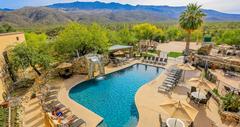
point(92, 119)
point(147, 100)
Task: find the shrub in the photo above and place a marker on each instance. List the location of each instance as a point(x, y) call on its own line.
point(231, 102)
point(215, 91)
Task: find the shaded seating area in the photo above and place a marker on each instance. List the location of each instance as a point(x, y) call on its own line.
point(65, 70)
point(198, 97)
point(180, 114)
point(120, 54)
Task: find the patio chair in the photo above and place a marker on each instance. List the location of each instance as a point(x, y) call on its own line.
point(193, 89)
point(152, 60)
point(115, 62)
point(162, 124)
point(163, 89)
point(208, 95)
point(156, 60)
point(168, 85)
point(191, 124)
point(50, 98)
point(227, 89)
point(77, 123)
point(160, 62)
point(144, 59)
point(203, 101)
point(190, 96)
point(172, 82)
point(148, 59)
point(165, 61)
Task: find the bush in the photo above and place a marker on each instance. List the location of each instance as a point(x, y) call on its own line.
point(231, 102)
point(215, 91)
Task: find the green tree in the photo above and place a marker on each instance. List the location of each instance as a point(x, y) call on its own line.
point(197, 36)
point(174, 34)
point(78, 39)
point(53, 32)
point(113, 37)
point(145, 31)
point(127, 37)
point(6, 28)
point(99, 41)
point(230, 37)
point(32, 53)
point(159, 36)
point(190, 20)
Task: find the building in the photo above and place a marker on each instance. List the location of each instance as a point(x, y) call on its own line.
point(6, 40)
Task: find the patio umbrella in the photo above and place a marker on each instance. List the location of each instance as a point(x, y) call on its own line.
point(64, 65)
point(200, 82)
point(180, 110)
point(185, 67)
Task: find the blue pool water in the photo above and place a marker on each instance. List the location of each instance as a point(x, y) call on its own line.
point(112, 97)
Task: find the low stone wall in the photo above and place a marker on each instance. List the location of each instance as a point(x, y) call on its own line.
point(229, 116)
point(218, 62)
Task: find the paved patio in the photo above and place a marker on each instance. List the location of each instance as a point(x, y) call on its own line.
point(147, 100)
point(176, 46)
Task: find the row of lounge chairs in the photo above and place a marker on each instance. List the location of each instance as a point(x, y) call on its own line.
point(49, 102)
point(171, 81)
point(155, 60)
point(120, 61)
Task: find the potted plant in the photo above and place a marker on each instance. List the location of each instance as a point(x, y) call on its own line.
point(33, 95)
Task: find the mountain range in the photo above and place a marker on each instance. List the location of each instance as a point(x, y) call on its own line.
point(61, 13)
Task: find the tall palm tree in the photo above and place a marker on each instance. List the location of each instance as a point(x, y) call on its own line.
point(190, 20)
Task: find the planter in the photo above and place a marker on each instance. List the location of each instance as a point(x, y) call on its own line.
point(229, 116)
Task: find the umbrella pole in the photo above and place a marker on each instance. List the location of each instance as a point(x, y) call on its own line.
point(184, 76)
point(175, 122)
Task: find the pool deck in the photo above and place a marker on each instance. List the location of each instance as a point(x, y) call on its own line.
point(147, 100)
point(91, 118)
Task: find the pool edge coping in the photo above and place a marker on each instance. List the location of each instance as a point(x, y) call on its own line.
point(118, 69)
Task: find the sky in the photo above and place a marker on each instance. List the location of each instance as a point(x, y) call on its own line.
point(228, 6)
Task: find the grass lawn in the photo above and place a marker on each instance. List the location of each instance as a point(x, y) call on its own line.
point(174, 54)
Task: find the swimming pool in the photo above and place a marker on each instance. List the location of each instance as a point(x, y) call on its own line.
point(112, 97)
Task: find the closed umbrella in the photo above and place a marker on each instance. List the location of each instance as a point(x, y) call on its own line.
point(185, 67)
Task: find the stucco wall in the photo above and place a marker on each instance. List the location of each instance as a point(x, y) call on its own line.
point(8, 39)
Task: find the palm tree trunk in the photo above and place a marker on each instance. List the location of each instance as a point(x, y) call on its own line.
point(188, 43)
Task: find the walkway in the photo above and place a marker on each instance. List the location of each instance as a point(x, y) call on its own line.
point(33, 115)
point(148, 100)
